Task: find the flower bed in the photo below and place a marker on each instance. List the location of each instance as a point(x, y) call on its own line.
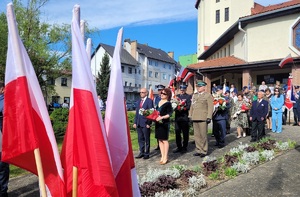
point(179, 181)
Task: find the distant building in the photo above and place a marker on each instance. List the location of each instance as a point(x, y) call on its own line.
point(131, 82)
point(250, 47)
point(186, 60)
point(155, 65)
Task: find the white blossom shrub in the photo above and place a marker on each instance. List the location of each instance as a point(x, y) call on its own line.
point(240, 149)
point(170, 193)
point(268, 154)
point(191, 192)
point(241, 167)
point(208, 159)
point(252, 158)
point(153, 174)
point(282, 146)
point(197, 182)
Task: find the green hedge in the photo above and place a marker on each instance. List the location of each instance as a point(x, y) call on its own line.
point(59, 119)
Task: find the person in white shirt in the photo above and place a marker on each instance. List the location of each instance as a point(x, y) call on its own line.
point(101, 104)
point(263, 86)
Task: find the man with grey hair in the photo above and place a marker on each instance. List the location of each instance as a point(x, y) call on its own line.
point(258, 114)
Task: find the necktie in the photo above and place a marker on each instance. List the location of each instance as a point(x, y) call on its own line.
point(141, 103)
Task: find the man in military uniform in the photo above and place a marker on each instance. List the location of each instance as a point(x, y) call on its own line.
point(201, 113)
point(156, 101)
point(219, 120)
point(182, 120)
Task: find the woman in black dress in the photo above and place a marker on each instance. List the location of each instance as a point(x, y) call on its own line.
point(162, 124)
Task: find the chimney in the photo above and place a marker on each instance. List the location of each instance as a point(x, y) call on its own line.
point(171, 54)
point(133, 48)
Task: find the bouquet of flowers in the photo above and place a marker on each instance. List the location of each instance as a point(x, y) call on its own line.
point(178, 104)
point(219, 102)
point(244, 107)
point(150, 114)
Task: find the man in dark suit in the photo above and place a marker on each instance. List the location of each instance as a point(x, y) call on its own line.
point(258, 114)
point(143, 125)
point(182, 121)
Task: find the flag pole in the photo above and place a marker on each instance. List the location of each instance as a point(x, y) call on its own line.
point(39, 167)
point(75, 182)
point(13, 30)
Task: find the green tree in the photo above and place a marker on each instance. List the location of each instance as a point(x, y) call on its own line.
point(3, 44)
point(103, 77)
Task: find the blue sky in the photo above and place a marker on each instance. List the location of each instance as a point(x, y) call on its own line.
point(170, 25)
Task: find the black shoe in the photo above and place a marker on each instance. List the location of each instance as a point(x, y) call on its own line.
point(253, 140)
point(139, 156)
point(146, 157)
point(202, 155)
point(197, 154)
point(216, 144)
point(295, 124)
point(177, 150)
point(157, 148)
point(183, 150)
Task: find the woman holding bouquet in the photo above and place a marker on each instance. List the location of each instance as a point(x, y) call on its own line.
point(240, 118)
point(162, 124)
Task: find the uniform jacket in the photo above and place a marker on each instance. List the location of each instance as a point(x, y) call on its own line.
point(260, 110)
point(201, 107)
point(182, 115)
point(141, 120)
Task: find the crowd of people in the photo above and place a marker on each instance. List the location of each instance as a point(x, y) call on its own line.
point(250, 111)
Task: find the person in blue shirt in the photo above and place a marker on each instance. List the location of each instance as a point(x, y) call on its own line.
point(4, 167)
point(277, 101)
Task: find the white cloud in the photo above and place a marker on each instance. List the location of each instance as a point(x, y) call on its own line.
point(114, 13)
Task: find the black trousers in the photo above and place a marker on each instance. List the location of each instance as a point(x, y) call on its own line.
point(144, 140)
point(184, 128)
point(219, 130)
point(4, 177)
point(295, 115)
point(257, 129)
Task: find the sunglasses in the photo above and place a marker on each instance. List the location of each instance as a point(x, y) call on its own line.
point(163, 93)
point(143, 92)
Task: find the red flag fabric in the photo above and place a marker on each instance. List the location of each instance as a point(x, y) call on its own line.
point(151, 94)
point(117, 128)
point(182, 73)
point(85, 143)
point(288, 101)
point(188, 76)
point(286, 60)
point(26, 124)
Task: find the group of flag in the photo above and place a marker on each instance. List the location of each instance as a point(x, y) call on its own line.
point(96, 158)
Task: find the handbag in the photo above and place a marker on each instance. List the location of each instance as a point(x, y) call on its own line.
point(153, 115)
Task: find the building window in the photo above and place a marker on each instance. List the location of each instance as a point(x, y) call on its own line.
point(217, 1)
point(140, 85)
point(156, 74)
point(129, 84)
point(156, 63)
point(125, 83)
point(139, 72)
point(225, 52)
point(64, 81)
point(217, 16)
point(122, 67)
point(296, 39)
point(150, 74)
point(130, 70)
point(164, 66)
point(164, 76)
point(170, 77)
point(226, 14)
point(170, 66)
point(51, 81)
point(228, 50)
point(135, 85)
point(135, 71)
point(150, 62)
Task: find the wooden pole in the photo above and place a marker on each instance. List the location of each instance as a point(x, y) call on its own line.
point(75, 182)
point(39, 167)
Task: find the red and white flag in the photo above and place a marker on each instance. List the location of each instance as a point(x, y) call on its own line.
point(188, 76)
point(286, 60)
point(151, 94)
point(85, 143)
point(27, 125)
point(290, 97)
point(182, 74)
point(117, 128)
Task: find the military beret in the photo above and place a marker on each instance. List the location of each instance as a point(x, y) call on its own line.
point(201, 83)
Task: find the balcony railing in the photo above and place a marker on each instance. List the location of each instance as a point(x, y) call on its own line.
point(130, 89)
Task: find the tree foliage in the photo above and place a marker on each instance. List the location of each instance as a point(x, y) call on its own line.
point(48, 45)
point(103, 77)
